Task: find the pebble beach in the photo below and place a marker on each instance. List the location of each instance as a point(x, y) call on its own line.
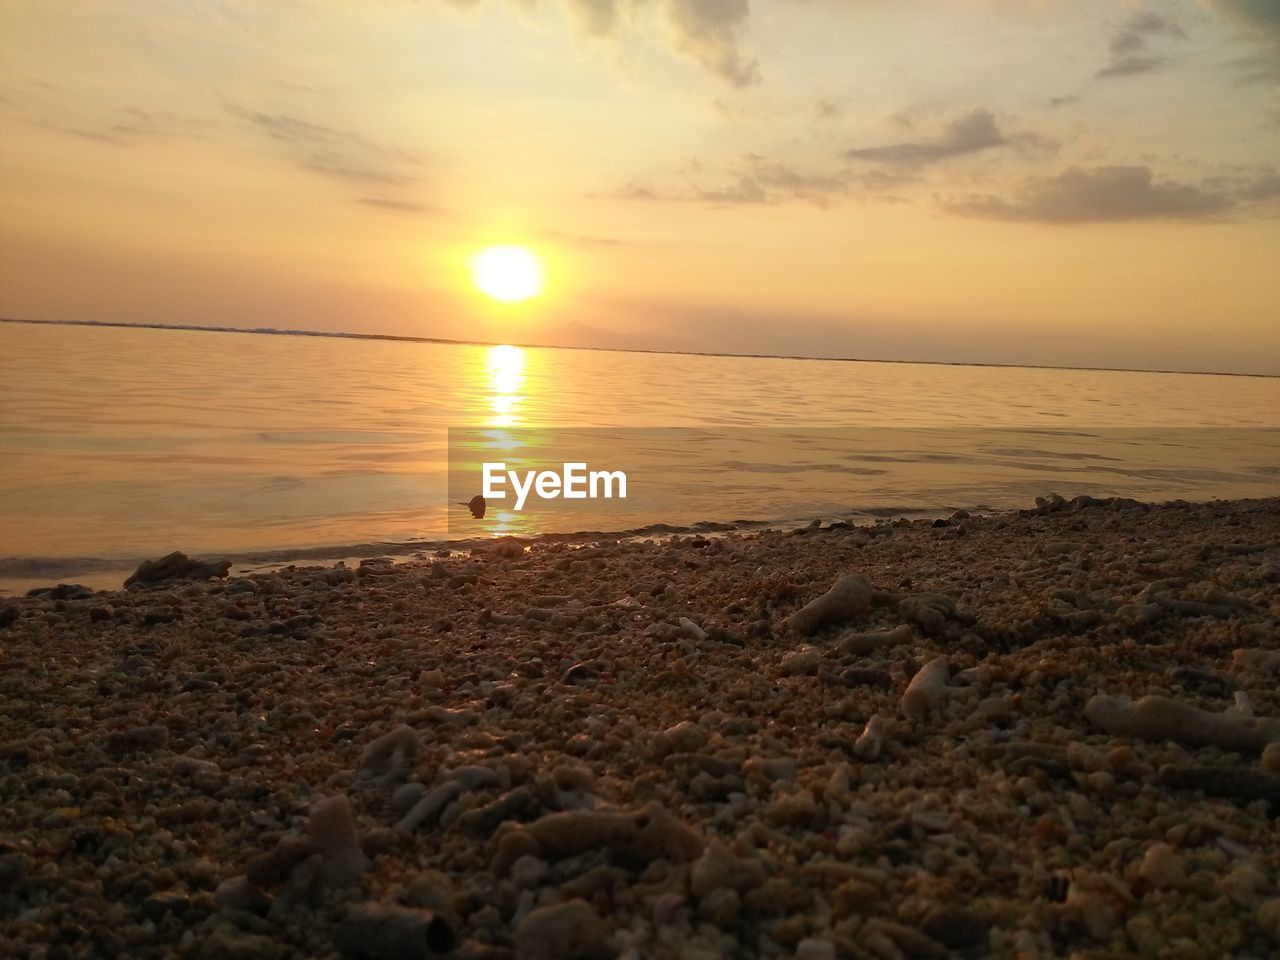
point(1052, 732)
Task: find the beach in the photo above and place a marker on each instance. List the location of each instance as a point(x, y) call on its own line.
point(991, 738)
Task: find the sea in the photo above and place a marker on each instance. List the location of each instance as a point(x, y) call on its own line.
point(124, 443)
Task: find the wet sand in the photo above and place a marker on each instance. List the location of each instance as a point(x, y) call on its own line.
point(998, 742)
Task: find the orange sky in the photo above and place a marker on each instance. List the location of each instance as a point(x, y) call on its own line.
point(1085, 183)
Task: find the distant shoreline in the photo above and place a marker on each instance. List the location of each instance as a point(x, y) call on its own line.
point(342, 335)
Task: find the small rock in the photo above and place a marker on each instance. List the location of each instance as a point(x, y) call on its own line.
point(1161, 867)
point(718, 868)
point(239, 893)
point(559, 931)
point(158, 615)
point(684, 737)
point(1268, 917)
point(177, 566)
point(333, 831)
point(955, 927)
point(377, 931)
point(803, 662)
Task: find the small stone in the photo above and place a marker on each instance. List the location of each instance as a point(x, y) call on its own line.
point(158, 615)
point(152, 737)
point(389, 755)
point(1093, 911)
point(527, 872)
point(717, 868)
point(1268, 917)
point(333, 831)
point(238, 893)
point(803, 662)
point(559, 931)
point(811, 948)
point(405, 796)
point(1271, 757)
point(720, 907)
point(177, 566)
point(850, 597)
point(1161, 867)
point(377, 931)
point(684, 737)
point(1241, 884)
point(955, 927)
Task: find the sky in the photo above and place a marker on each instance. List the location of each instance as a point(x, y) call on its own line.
point(1079, 183)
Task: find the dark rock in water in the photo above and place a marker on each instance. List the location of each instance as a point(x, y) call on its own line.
point(178, 566)
point(477, 506)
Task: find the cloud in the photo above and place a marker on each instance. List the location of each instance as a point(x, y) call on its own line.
point(581, 240)
point(752, 179)
point(1131, 66)
point(755, 179)
point(597, 17)
point(125, 127)
point(827, 110)
point(708, 31)
point(331, 151)
point(1101, 195)
point(975, 131)
point(1259, 19)
point(400, 206)
point(1130, 48)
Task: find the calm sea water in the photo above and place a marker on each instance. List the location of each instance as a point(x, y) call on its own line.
point(117, 444)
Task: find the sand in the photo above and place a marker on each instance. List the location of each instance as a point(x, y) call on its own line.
point(633, 749)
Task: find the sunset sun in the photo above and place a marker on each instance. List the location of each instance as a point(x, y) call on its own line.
point(507, 273)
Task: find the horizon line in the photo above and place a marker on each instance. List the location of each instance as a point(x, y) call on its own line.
point(404, 338)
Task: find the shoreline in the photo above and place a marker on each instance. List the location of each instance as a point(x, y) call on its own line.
point(665, 749)
point(19, 574)
point(400, 338)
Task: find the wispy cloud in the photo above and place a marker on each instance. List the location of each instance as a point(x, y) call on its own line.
point(1104, 194)
point(1130, 48)
point(1259, 19)
point(708, 32)
point(398, 206)
point(758, 180)
point(581, 240)
point(752, 179)
point(123, 127)
point(332, 151)
point(973, 132)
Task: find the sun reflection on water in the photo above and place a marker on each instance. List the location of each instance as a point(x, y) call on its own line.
point(506, 383)
point(506, 399)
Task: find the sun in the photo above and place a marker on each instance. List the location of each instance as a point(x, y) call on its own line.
point(507, 273)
